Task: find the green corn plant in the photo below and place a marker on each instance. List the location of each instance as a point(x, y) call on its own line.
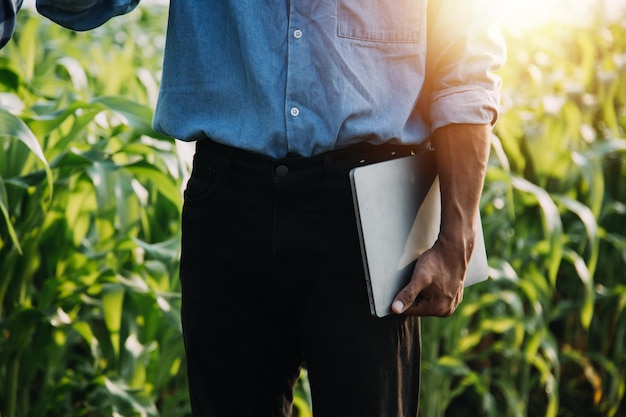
point(90, 198)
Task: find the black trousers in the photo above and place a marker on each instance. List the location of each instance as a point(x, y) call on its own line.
point(272, 280)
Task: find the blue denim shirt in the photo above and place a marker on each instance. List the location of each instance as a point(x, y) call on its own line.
point(306, 76)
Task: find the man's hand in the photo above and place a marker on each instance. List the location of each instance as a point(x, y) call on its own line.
point(436, 287)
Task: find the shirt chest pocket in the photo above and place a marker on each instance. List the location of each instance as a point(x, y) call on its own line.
point(382, 20)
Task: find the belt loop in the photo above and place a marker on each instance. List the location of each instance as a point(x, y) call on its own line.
point(329, 169)
point(328, 165)
point(226, 155)
point(219, 153)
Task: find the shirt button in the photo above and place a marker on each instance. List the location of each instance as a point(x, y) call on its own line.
point(294, 111)
point(282, 171)
point(297, 33)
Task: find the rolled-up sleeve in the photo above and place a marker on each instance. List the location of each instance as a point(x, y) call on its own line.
point(465, 49)
point(83, 14)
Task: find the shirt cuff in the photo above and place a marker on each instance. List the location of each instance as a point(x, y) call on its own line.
point(83, 14)
point(71, 5)
point(464, 105)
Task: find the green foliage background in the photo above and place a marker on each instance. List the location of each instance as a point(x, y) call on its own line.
point(90, 201)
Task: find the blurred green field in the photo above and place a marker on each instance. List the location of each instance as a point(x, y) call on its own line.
point(89, 230)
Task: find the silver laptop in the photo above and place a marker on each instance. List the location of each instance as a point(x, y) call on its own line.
point(398, 211)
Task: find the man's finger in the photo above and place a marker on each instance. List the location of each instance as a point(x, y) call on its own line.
point(434, 306)
point(426, 307)
point(407, 297)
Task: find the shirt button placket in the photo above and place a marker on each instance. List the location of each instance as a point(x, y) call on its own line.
point(293, 97)
point(294, 111)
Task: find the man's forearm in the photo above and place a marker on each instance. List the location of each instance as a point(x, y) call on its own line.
point(462, 153)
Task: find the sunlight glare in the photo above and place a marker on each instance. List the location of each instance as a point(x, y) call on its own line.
point(521, 15)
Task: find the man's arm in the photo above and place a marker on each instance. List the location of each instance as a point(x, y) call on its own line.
point(460, 99)
point(83, 14)
point(462, 152)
